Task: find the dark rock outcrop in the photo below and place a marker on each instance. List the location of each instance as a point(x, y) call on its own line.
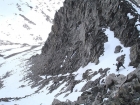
point(56, 102)
point(118, 49)
point(135, 55)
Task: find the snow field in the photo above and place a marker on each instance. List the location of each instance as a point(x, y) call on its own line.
point(11, 23)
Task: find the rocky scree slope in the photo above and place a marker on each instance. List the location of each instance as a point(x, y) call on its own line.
point(77, 36)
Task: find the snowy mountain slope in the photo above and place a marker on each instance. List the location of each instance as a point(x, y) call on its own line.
point(25, 25)
point(14, 69)
point(18, 84)
point(27, 21)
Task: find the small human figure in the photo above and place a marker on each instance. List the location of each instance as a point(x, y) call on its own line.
point(56, 81)
point(119, 64)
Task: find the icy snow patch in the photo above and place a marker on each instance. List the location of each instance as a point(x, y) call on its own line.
point(130, 16)
point(105, 99)
point(43, 77)
point(138, 27)
point(137, 24)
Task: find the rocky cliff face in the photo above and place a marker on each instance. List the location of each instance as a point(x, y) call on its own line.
point(77, 36)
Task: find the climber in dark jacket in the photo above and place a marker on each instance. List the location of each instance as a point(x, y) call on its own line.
point(119, 64)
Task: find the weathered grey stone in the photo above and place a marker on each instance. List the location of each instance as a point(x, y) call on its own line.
point(118, 49)
point(98, 99)
point(106, 69)
point(135, 55)
point(137, 72)
point(86, 74)
point(136, 84)
point(117, 81)
point(89, 74)
point(95, 73)
point(56, 102)
point(120, 79)
point(110, 80)
point(100, 71)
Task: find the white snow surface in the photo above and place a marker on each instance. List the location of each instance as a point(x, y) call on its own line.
point(12, 24)
point(105, 99)
point(17, 67)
